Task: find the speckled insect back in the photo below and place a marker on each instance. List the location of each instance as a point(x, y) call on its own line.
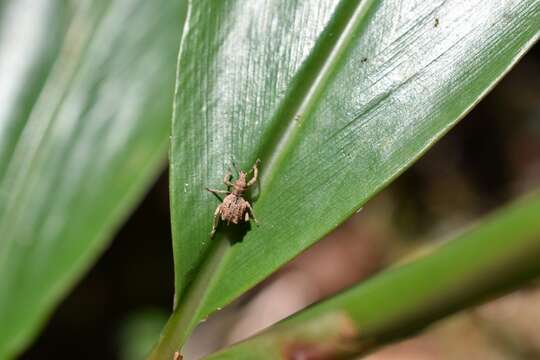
point(234, 207)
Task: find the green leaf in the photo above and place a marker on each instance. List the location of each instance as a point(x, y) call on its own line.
point(139, 332)
point(493, 256)
point(86, 102)
point(336, 98)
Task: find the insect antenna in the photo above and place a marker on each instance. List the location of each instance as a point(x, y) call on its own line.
point(235, 165)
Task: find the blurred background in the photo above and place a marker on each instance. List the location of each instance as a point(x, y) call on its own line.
point(491, 157)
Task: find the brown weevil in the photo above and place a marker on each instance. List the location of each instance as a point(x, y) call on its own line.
point(234, 207)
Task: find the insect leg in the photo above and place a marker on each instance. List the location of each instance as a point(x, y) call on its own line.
point(227, 177)
point(215, 223)
point(255, 171)
point(250, 211)
point(215, 191)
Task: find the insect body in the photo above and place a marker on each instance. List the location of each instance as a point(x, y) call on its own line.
point(234, 207)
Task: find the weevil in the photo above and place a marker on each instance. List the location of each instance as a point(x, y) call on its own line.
point(234, 207)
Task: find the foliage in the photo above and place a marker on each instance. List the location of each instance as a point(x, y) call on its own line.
point(336, 100)
point(84, 125)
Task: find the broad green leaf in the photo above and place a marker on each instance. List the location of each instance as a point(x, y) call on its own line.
point(493, 256)
point(84, 122)
point(31, 34)
point(335, 97)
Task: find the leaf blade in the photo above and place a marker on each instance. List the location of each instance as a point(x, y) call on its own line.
point(489, 258)
point(407, 73)
point(95, 138)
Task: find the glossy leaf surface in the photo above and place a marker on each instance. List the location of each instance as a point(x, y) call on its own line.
point(335, 97)
point(495, 255)
point(86, 103)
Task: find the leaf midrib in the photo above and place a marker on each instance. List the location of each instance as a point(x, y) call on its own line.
point(315, 73)
point(317, 69)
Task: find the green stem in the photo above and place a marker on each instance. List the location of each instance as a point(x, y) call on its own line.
point(186, 315)
point(492, 257)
